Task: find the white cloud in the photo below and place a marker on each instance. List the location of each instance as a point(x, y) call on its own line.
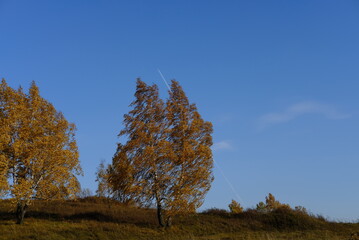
point(222, 145)
point(300, 109)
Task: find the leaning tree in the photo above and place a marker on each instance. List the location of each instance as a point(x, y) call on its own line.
point(167, 160)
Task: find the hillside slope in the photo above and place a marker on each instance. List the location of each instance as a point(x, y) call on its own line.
point(94, 218)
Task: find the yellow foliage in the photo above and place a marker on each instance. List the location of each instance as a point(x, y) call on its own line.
point(102, 178)
point(38, 151)
point(235, 207)
point(167, 159)
point(272, 203)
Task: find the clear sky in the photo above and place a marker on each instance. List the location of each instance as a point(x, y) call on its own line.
point(278, 79)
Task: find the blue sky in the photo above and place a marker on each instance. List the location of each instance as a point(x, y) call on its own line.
point(278, 79)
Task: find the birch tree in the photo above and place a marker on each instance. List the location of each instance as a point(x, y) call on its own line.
point(167, 160)
point(141, 168)
point(38, 151)
point(190, 139)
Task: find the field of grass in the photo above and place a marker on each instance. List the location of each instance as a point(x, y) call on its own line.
point(103, 219)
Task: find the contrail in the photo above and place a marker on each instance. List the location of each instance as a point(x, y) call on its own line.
point(229, 183)
point(220, 169)
point(163, 78)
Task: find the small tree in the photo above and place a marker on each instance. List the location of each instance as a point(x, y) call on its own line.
point(102, 175)
point(235, 207)
point(38, 151)
point(272, 203)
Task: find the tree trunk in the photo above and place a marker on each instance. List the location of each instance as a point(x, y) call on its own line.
point(20, 212)
point(160, 215)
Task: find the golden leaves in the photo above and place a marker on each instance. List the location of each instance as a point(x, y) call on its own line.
point(235, 207)
point(167, 154)
point(37, 145)
point(272, 203)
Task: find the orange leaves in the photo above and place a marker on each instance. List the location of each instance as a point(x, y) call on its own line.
point(272, 203)
point(235, 207)
point(143, 126)
point(190, 137)
point(167, 154)
point(38, 145)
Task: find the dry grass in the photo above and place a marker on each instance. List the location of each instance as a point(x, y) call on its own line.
point(95, 218)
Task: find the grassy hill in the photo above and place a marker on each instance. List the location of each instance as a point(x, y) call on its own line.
point(94, 218)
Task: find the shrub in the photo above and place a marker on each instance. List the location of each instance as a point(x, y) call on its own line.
point(216, 211)
point(300, 209)
point(271, 205)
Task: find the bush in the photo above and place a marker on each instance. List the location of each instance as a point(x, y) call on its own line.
point(287, 219)
point(216, 211)
point(300, 209)
point(271, 205)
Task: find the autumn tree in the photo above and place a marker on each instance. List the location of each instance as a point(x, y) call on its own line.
point(272, 203)
point(167, 159)
point(235, 207)
point(102, 175)
point(190, 139)
point(38, 151)
point(141, 168)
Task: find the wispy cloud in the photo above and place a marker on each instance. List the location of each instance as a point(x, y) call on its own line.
point(222, 145)
point(300, 109)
